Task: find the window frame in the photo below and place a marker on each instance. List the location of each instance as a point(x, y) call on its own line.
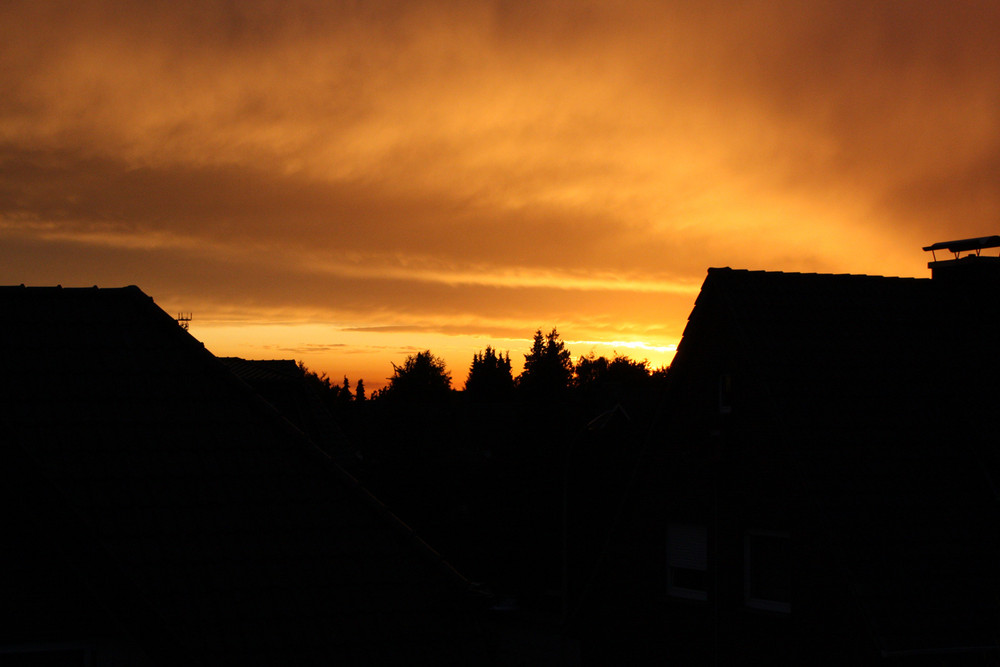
point(692, 557)
point(752, 602)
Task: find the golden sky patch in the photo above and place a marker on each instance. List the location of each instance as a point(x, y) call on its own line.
point(451, 170)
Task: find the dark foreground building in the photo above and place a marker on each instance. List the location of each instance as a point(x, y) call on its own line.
point(155, 510)
point(824, 487)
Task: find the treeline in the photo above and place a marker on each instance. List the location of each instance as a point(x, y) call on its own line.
point(549, 373)
point(506, 475)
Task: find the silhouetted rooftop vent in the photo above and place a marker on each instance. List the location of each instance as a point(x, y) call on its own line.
point(965, 244)
point(974, 267)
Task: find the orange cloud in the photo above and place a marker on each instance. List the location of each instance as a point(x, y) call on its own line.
point(483, 167)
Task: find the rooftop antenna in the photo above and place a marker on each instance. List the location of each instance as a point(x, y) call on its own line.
point(184, 319)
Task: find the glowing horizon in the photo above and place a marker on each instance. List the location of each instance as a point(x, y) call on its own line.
point(372, 361)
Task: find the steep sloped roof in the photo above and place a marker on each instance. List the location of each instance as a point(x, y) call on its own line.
point(263, 370)
point(282, 383)
point(826, 343)
point(208, 526)
point(883, 393)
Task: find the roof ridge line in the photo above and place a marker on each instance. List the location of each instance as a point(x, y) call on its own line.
point(768, 272)
point(312, 449)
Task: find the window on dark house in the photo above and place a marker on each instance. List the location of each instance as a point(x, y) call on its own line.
point(726, 394)
point(767, 570)
point(687, 561)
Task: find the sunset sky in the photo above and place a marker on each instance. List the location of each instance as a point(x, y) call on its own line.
point(346, 183)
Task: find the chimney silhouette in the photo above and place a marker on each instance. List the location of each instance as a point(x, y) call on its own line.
point(972, 270)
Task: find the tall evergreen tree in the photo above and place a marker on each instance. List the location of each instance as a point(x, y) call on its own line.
point(345, 397)
point(548, 367)
point(490, 377)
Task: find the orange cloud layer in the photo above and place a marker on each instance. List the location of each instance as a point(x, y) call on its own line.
point(468, 168)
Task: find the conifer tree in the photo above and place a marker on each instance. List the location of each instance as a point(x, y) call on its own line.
point(490, 377)
point(548, 367)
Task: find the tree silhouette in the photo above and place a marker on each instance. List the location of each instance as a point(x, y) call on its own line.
point(422, 378)
point(359, 391)
point(604, 380)
point(589, 371)
point(548, 367)
point(345, 395)
point(628, 371)
point(321, 385)
point(490, 378)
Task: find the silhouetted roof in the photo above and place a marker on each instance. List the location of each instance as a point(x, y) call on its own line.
point(282, 383)
point(263, 370)
point(829, 343)
point(211, 529)
point(884, 394)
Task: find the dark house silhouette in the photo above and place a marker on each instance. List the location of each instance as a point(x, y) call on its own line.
point(156, 510)
point(823, 487)
point(282, 383)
